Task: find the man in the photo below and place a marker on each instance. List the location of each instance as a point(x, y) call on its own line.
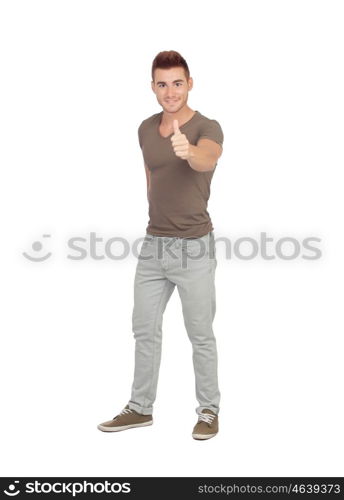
point(180, 148)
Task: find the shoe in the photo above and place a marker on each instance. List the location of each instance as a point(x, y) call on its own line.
point(126, 420)
point(207, 425)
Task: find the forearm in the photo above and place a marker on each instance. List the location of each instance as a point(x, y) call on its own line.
point(200, 159)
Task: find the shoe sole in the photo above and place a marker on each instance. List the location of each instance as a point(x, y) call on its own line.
point(203, 436)
point(123, 427)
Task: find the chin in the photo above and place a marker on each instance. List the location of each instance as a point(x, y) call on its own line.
point(173, 108)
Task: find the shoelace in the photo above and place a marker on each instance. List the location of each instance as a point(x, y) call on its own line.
point(123, 412)
point(206, 417)
point(126, 410)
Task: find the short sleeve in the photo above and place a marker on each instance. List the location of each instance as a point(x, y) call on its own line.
point(211, 129)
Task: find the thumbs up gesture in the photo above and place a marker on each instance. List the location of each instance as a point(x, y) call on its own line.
point(180, 144)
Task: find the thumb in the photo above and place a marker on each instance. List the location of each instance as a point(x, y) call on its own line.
point(176, 127)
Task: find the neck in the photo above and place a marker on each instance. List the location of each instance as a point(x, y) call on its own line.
point(182, 115)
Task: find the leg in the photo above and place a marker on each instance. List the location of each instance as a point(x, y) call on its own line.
point(196, 288)
point(152, 291)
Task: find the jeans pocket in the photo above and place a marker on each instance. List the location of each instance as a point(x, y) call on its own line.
point(195, 248)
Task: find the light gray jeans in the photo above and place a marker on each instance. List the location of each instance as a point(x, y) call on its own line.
point(163, 263)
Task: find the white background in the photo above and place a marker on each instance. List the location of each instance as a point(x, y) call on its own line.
point(75, 86)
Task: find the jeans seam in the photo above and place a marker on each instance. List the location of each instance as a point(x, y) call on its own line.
point(154, 340)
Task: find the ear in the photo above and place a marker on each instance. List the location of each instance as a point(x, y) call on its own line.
point(152, 85)
point(190, 83)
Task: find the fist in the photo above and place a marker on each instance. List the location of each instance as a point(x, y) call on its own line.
point(180, 144)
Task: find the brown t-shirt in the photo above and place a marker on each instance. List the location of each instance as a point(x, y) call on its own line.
point(178, 194)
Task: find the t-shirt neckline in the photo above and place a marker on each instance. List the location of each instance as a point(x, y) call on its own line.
point(186, 123)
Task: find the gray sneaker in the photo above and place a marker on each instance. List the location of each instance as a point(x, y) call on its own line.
point(126, 420)
point(207, 425)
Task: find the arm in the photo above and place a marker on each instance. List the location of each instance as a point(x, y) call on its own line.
point(148, 179)
point(204, 156)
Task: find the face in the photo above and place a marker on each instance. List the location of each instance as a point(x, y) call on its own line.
point(171, 88)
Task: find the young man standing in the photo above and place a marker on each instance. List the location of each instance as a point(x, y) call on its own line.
point(180, 148)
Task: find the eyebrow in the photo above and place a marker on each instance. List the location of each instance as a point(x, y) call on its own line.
point(174, 81)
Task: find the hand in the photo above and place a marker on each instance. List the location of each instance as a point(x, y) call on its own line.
point(180, 144)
